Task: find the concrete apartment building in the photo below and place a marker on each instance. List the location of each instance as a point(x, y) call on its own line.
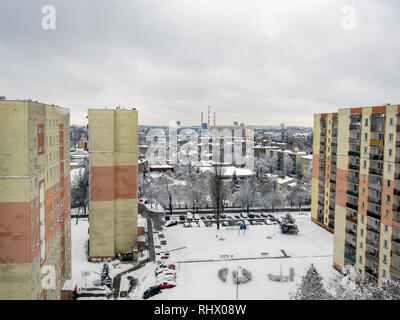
point(113, 163)
point(356, 187)
point(35, 225)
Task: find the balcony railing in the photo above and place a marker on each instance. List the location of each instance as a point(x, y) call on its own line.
point(373, 215)
point(375, 171)
point(354, 154)
point(378, 157)
point(355, 127)
point(351, 206)
point(374, 200)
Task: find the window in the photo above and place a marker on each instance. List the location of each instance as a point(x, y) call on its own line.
point(362, 219)
point(390, 136)
point(389, 167)
point(365, 164)
point(365, 149)
point(385, 244)
point(366, 122)
point(365, 136)
point(390, 152)
point(388, 183)
point(363, 191)
point(387, 214)
point(384, 273)
point(360, 259)
point(361, 245)
point(386, 228)
point(384, 259)
point(364, 178)
point(391, 121)
point(363, 205)
point(361, 232)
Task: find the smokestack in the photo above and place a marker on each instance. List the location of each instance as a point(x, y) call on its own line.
point(209, 115)
point(202, 117)
point(214, 118)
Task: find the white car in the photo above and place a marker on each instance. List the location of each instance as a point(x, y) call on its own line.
point(268, 222)
point(247, 222)
point(187, 225)
point(196, 217)
point(244, 215)
point(209, 216)
point(171, 223)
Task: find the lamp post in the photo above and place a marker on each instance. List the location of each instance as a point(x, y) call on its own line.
point(237, 283)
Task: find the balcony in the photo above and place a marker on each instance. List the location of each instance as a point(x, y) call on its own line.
point(354, 154)
point(350, 258)
point(355, 127)
point(373, 215)
point(376, 171)
point(351, 206)
point(374, 200)
point(371, 273)
point(352, 179)
point(377, 157)
point(375, 186)
point(376, 142)
point(373, 256)
point(352, 232)
point(373, 243)
point(353, 194)
point(355, 167)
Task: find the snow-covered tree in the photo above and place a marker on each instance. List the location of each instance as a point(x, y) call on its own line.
point(346, 285)
point(105, 276)
point(271, 162)
point(311, 287)
point(288, 166)
point(247, 193)
point(234, 182)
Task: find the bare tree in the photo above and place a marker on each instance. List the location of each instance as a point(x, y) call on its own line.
point(247, 192)
point(288, 166)
point(218, 191)
point(80, 189)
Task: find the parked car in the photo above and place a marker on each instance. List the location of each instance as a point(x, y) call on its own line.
point(223, 216)
point(165, 255)
point(268, 222)
point(171, 266)
point(171, 223)
point(167, 218)
point(162, 277)
point(247, 222)
point(182, 218)
point(189, 216)
point(209, 216)
point(225, 223)
point(187, 225)
point(165, 271)
point(251, 215)
point(166, 284)
point(264, 215)
point(141, 200)
point(152, 291)
point(196, 217)
point(244, 215)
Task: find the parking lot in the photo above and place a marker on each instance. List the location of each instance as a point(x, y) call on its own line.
point(208, 220)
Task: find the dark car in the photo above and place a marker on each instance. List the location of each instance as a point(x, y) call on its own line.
point(251, 215)
point(152, 291)
point(167, 218)
point(182, 218)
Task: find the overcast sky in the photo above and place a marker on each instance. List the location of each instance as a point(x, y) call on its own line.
point(258, 62)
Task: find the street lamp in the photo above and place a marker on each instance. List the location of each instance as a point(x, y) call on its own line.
point(237, 283)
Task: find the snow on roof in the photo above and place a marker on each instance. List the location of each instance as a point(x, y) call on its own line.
point(228, 171)
point(69, 285)
point(161, 166)
point(141, 238)
point(142, 222)
point(308, 157)
point(285, 180)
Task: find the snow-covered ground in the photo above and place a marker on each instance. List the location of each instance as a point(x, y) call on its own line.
point(258, 250)
point(83, 271)
point(204, 253)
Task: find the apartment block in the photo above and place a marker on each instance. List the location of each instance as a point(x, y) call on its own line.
point(35, 223)
point(360, 163)
point(113, 163)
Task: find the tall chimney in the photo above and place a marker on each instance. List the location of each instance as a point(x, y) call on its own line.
point(208, 115)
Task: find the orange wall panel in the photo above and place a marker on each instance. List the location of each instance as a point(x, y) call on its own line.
point(102, 184)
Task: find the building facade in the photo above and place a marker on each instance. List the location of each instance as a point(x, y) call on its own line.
point(364, 174)
point(35, 223)
point(113, 163)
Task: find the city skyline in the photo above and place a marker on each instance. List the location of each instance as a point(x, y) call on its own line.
point(261, 63)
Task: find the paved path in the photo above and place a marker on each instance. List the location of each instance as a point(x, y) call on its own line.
point(254, 258)
point(117, 278)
